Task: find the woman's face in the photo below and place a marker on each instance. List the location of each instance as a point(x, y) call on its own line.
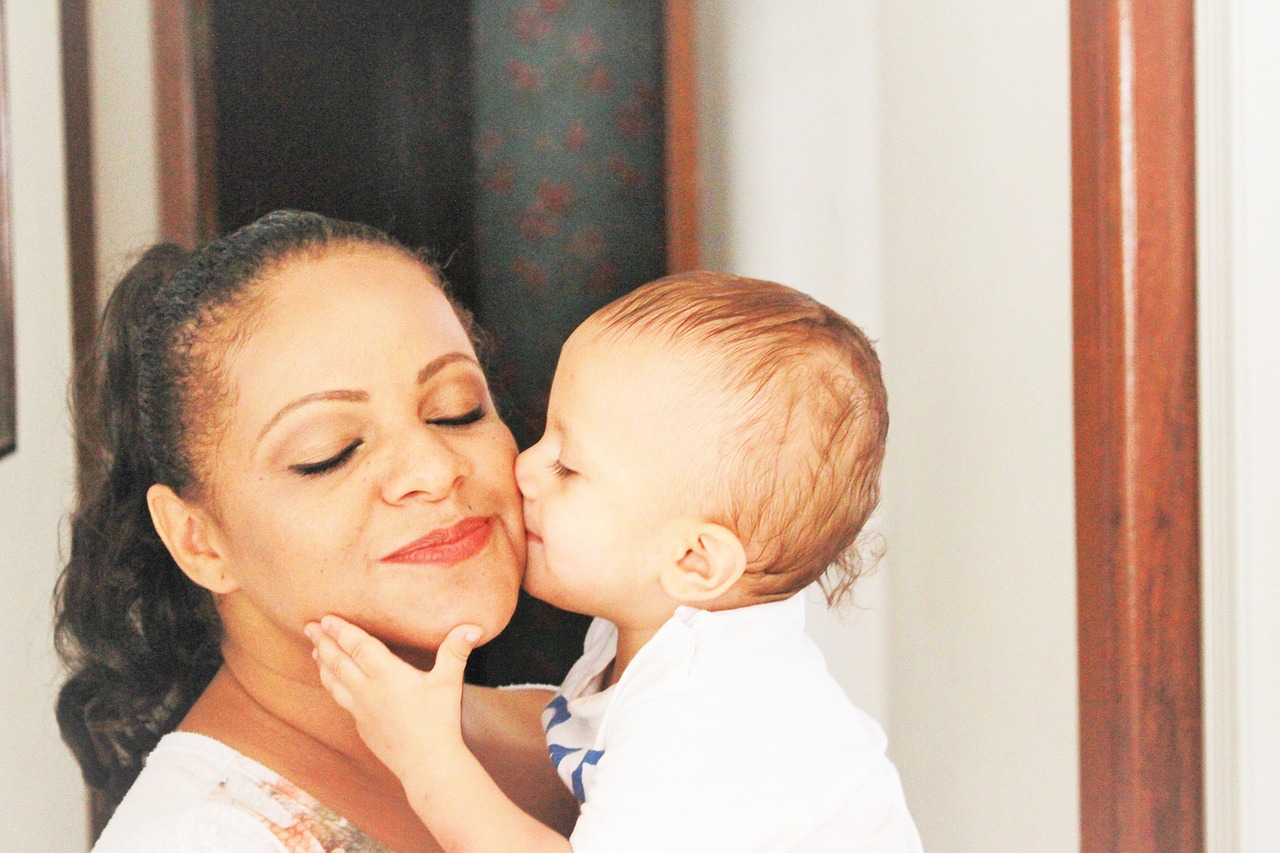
point(362, 470)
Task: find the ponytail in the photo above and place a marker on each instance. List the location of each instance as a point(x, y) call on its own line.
point(140, 640)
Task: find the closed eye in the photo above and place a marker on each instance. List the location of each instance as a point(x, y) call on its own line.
point(311, 469)
point(558, 468)
point(471, 417)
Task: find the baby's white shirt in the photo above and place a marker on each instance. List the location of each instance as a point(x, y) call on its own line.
point(725, 733)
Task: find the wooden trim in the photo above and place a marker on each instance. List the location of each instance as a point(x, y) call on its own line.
point(8, 330)
point(1137, 489)
point(185, 127)
point(184, 121)
point(683, 249)
point(77, 117)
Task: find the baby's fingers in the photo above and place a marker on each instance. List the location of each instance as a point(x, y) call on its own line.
point(339, 691)
point(338, 672)
point(451, 657)
point(368, 653)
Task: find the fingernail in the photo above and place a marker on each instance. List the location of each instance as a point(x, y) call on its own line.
point(315, 654)
point(471, 635)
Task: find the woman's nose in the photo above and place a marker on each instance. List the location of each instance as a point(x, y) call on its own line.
point(423, 464)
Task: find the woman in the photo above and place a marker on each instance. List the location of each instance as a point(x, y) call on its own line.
point(290, 422)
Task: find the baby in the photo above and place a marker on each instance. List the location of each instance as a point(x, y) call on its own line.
point(713, 447)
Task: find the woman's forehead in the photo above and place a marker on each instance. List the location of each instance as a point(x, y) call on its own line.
point(353, 318)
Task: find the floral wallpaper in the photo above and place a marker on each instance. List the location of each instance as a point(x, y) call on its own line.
point(568, 145)
point(568, 141)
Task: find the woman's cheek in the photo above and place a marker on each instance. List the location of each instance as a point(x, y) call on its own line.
point(300, 549)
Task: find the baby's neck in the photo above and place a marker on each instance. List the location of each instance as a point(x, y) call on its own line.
point(630, 641)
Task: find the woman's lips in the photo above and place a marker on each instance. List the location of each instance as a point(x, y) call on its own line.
point(447, 545)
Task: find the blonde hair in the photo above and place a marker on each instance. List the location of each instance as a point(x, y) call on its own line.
point(798, 474)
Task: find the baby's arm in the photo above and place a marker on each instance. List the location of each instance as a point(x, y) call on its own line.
point(411, 720)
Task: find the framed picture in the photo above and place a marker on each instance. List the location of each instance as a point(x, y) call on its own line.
point(8, 368)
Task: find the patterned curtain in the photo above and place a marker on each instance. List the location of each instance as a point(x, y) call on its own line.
point(568, 146)
point(569, 198)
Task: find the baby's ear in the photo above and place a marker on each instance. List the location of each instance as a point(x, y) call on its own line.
point(191, 538)
point(711, 561)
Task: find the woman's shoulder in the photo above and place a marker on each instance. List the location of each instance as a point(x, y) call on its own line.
point(197, 794)
point(190, 796)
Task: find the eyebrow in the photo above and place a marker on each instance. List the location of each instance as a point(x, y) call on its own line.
point(424, 375)
point(441, 362)
point(566, 437)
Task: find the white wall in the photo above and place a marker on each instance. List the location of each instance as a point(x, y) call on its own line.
point(787, 126)
point(39, 784)
point(907, 161)
point(126, 191)
point(975, 189)
point(1238, 132)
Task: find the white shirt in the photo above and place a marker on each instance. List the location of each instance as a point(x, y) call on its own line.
point(725, 733)
point(198, 795)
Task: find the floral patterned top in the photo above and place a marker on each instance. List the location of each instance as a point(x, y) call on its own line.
point(197, 794)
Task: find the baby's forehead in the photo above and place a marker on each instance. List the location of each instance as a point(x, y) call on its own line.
point(652, 343)
point(647, 375)
point(651, 363)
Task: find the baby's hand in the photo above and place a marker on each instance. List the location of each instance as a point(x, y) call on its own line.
point(405, 716)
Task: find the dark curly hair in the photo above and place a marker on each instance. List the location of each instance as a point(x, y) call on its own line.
point(139, 639)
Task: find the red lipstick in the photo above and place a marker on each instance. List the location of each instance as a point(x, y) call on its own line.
point(446, 545)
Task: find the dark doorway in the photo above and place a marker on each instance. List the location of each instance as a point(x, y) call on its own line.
point(359, 109)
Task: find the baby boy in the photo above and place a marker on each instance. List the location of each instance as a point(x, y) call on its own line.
point(713, 447)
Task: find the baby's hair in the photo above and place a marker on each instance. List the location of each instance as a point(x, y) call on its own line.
point(797, 475)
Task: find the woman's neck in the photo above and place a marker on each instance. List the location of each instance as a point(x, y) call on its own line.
point(251, 696)
point(273, 709)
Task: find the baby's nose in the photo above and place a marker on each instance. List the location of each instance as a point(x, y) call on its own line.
point(524, 473)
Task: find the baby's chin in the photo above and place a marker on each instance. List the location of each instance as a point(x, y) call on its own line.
point(547, 592)
point(535, 580)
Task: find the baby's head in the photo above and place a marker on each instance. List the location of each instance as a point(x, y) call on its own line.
point(709, 398)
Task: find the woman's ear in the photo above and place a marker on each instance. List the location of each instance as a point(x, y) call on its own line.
point(191, 539)
point(711, 561)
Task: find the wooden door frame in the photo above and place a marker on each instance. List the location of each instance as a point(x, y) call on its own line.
point(184, 127)
point(77, 112)
point(1136, 425)
point(181, 78)
point(8, 320)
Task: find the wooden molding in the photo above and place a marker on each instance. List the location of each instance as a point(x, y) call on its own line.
point(683, 248)
point(184, 121)
point(77, 112)
point(8, 330)
point(1137, 489)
